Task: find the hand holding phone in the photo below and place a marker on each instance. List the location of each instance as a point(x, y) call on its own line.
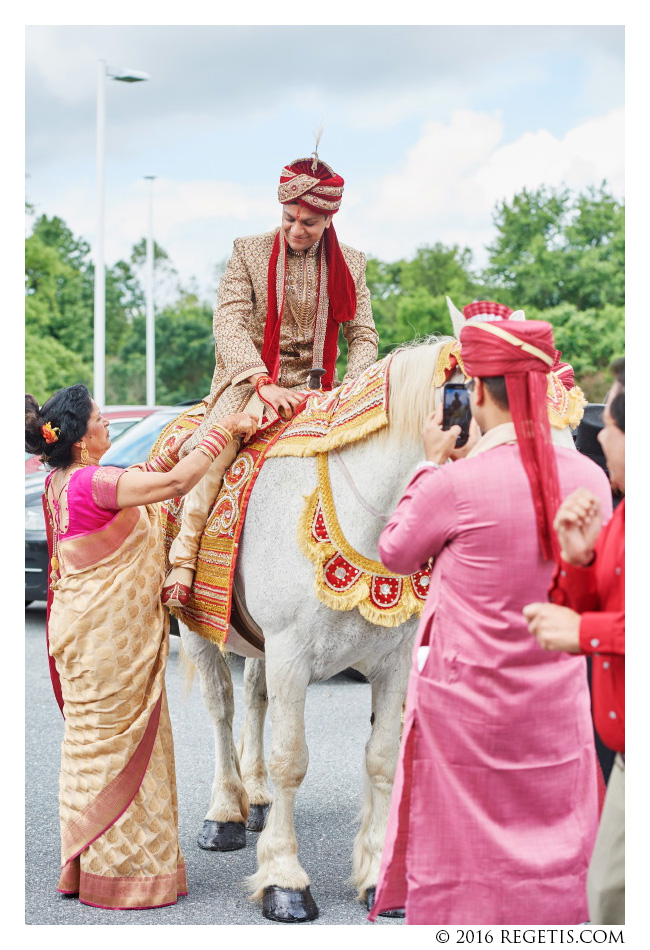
point(456, 410)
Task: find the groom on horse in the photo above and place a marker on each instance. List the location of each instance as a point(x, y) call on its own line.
point(281, 301)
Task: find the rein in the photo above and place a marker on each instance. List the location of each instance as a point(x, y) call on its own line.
point(355, 491)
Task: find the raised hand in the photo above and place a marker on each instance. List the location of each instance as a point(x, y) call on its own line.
point(438, 442)
point(240, 423)
point(578, 522)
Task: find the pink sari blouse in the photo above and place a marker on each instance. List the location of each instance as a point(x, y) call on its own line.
point(92, 499)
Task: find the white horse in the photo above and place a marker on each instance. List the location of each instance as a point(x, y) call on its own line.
point(306, 642)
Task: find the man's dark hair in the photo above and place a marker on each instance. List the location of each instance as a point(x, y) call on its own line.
point(617, 408)
point(496, 386)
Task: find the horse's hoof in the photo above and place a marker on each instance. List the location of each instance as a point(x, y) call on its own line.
point(288, 906)
point(222, 836)
point(257, 817)
point(370, 900)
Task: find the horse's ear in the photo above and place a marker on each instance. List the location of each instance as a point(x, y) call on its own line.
point(457, 318)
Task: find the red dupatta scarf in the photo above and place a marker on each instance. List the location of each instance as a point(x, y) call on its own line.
point(336, 304)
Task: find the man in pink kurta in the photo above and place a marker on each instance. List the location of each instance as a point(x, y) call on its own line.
point(494, 809)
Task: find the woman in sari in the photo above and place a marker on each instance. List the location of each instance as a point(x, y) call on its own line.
point(108, 640)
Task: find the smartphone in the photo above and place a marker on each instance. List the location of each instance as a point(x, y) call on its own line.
point(456, 411)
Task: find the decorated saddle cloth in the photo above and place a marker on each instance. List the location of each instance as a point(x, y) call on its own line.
point(327, 421)
point(344, 579)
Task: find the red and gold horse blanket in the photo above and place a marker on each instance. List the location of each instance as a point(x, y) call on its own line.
point(344, 579)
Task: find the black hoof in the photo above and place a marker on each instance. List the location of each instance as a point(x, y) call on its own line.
point(257, 817)
point(288, 906)
point(222, 836)
point(370, 900)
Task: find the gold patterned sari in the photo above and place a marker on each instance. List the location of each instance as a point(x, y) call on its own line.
point(109, 638)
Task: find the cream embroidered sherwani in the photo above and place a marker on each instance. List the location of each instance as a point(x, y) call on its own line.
point(240, 319)
point(239, 322)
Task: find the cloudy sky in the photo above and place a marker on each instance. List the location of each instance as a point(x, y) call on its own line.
point(429, 126)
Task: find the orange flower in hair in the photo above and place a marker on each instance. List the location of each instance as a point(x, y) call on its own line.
point(50, 434)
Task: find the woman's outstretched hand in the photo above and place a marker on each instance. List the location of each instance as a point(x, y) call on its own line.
point(240, 423)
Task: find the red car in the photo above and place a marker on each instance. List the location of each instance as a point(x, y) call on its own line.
point(121, 418)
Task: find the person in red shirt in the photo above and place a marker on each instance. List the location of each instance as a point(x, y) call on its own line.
point(587, 615)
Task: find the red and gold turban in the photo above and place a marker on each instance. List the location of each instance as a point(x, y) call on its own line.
point(315, 186)
point(312, 184)
point(524, 353)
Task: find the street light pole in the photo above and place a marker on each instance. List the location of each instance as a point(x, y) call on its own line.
point(99, 319)
point(151, 317)
point(99, 344)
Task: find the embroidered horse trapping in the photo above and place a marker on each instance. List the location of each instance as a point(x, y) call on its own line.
point(209, 607)
point(347, 414)
point(565, 406)
point(345, 579)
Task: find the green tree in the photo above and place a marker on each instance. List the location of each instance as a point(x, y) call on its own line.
point(184, 355)
point(561, 257)
point(59, 301)
point(408, 296)
point(49, 366)
point(553, 247)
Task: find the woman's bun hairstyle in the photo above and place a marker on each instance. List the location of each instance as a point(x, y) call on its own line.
point(69, 411)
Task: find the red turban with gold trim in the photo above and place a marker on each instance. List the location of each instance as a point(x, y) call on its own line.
point(312, 184)
point(524, 353)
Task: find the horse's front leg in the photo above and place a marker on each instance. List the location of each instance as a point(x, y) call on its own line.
point(251, 744)
point(224, 826)
point(388, 686)
point(281, 881)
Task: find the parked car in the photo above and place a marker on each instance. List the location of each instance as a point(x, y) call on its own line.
point(121, 418)
point(132, 446)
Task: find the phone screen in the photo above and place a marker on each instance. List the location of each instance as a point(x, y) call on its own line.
point(456, 411)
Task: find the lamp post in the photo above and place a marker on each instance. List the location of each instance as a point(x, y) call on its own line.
point(151, 317)
point(99, 342)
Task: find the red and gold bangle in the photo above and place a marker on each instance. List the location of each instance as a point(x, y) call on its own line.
point(215, 441)
point(161, 463)
point(263, 381)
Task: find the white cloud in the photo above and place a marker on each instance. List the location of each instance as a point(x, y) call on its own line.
point(444, 189)
point(453, 176)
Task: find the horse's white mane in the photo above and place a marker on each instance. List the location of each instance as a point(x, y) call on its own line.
point(411, 395)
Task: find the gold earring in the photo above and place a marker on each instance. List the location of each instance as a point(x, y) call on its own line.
point(84, 454)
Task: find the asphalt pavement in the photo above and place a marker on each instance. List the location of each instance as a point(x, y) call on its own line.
point(327, 805)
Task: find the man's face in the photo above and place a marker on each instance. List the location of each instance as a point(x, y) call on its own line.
point(303, 228)
point(612, 442)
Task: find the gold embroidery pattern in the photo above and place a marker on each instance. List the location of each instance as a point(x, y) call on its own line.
point(301, 293)
point(239, 322)
point(322, 203)
point(322, 309)
point(298, 185)
point(345, 579)
point(565, 406)
point(345, 415)
point(445, 365)
point(328, 190)
point(104, 487)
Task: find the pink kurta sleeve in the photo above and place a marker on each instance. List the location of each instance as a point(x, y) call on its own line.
point(423, 522)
